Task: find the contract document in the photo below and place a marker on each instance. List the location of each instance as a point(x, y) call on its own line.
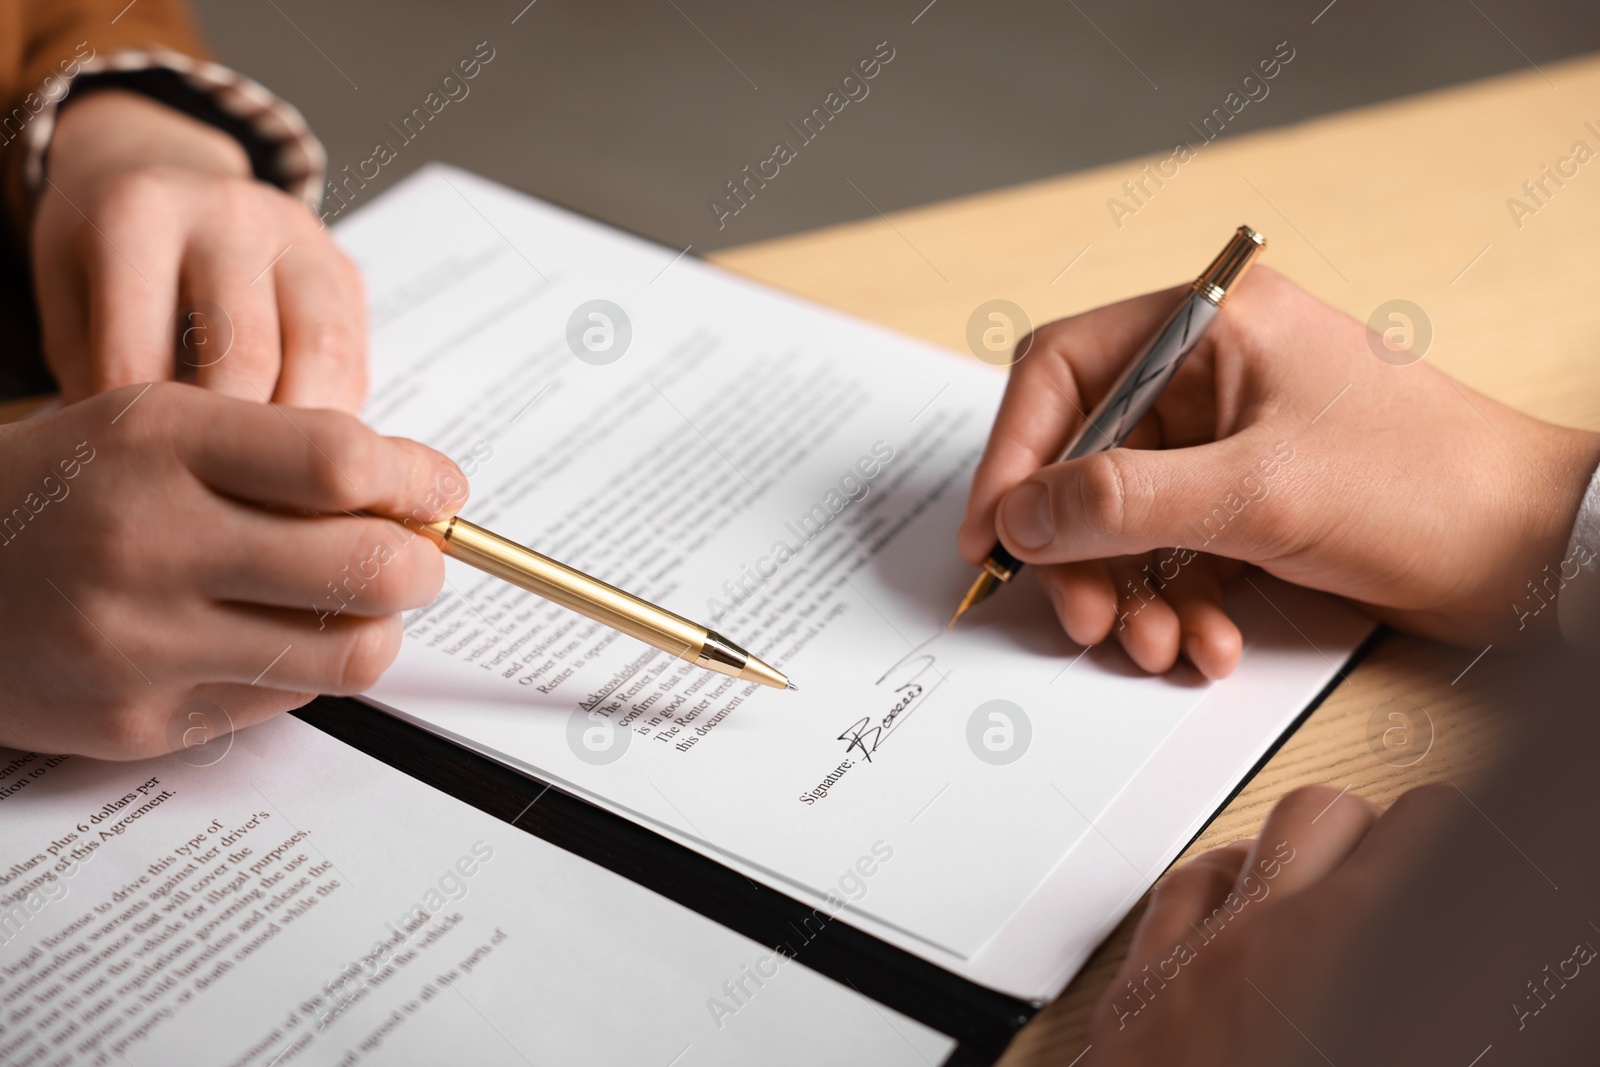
point(275, 897)
point(794, 478)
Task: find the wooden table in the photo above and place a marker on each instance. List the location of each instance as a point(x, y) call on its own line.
point(1406, 200)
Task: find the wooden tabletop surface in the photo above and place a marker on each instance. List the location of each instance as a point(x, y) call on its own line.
point(1409, 201)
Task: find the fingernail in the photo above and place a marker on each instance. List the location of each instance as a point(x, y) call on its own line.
point(1026, 516)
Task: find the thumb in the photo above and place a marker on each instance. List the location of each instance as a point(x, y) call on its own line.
point(1216, 498)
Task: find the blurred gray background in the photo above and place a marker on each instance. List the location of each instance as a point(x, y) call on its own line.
point(638, 111)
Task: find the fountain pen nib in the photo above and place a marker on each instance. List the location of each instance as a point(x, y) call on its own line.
point(792, 686)
point(985, 584)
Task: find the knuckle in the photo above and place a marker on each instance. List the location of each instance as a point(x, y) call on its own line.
point(1193, 881)
point(1314, 797)
point(369, 647)
point(382, 579)
point(133, 192)
point(143, 421)
point(114, 545)
point(339, 453)
point(1432, 799)
point(1103, 494)
point(69, 623)
point(357, 581)
point(1027, 369)
point(1260, 288)
point(331, 339)
point(1284, 523)
point(418, 577)
point(301, 218)
point(239, 198)
point(1271, 279)
point(167, 396)
point(1023, 348)
point(237, 201)
point(115, 400)
point(1051, 333)
point(253, 346)
point(1311, 801)
point(128, 730)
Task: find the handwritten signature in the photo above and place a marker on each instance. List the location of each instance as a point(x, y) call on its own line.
point(865, 734)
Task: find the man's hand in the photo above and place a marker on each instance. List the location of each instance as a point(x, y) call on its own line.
point(1284, 442)
point(157, 256)
point(163, 545)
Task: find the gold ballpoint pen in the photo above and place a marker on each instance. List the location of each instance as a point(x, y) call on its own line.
point(588, 596)
point(1136, 389)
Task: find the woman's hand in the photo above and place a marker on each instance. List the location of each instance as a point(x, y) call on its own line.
point(157, 256)
point(1284, 442)
point(162, 544)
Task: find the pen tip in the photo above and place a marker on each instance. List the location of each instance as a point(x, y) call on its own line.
point(980, 589)
point(791, 685)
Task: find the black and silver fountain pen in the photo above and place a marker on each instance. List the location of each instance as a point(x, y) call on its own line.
point(1136, 390)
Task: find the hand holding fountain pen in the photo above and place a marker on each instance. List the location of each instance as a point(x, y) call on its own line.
point(1137, 388)
point(588, 596)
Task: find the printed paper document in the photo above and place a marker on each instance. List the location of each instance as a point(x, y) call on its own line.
point(794, 478)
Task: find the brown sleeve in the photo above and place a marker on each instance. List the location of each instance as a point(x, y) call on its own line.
point(58, 37)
